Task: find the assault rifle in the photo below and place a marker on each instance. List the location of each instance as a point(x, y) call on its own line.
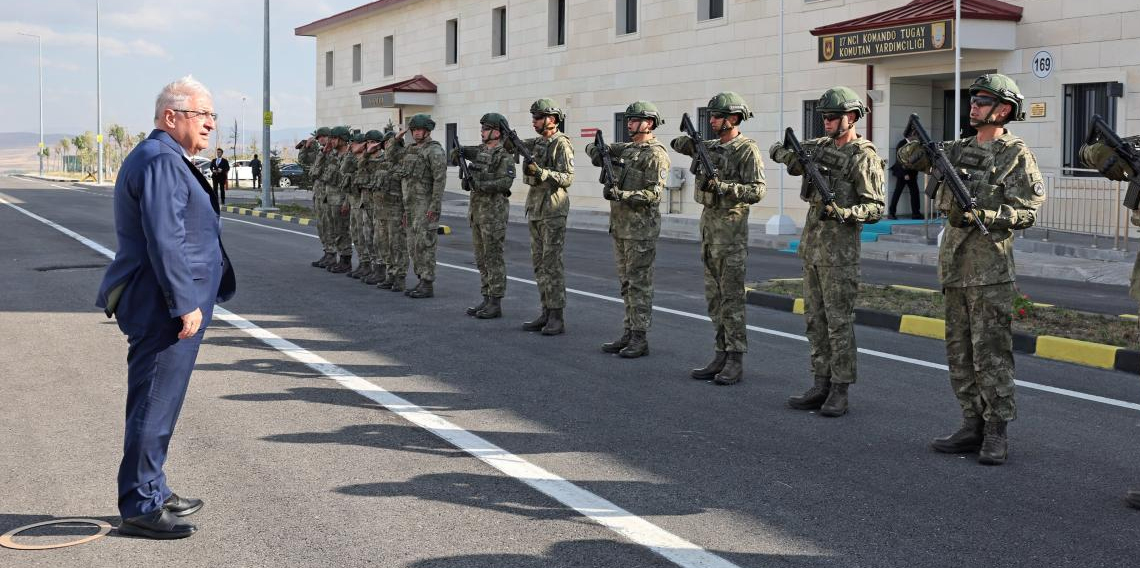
point(1100, 131)
point(520, 150)
point(608, 179)
point(704, 162)
point(468, 184)
point(944, 171)
point(811, 170)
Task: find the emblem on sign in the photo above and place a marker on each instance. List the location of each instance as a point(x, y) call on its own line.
point(828, 48)
point(938, 34)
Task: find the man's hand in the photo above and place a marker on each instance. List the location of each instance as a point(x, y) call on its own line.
point(190, 324)
point(531, 168)
point(710, 185)
point(432, 216)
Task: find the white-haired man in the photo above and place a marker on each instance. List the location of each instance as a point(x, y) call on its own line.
point(168, 272)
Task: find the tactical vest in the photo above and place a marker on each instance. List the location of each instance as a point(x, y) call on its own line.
point(835, 164)
point(488, 160)
point(976, 168)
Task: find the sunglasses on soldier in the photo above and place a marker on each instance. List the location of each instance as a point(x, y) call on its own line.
point(982, 102)
point(832, 115)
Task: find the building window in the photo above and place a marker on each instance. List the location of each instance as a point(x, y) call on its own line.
point(1082, 101)
point(626, 16)
point(813, 122)
point(499, 31)
point(451, 55)
point(328, 68)
point(389, 56)
point(356, 63)
point(556, 22)
point(703, 126)
point(710, 9)
point(452, 129)
point(621, 133)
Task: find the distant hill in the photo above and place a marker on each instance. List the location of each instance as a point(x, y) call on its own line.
point(12, 140)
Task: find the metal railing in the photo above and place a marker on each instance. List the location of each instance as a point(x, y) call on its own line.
point(1086, 206)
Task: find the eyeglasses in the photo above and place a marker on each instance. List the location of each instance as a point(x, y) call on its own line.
point(832, 115)
point(197, 113)
point(982, 101)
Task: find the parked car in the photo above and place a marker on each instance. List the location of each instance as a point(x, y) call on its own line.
point(240, 171)
point(293, 175)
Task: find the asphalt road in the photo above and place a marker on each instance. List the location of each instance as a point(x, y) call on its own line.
point(298, 470)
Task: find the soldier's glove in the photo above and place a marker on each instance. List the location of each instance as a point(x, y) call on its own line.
point(712, 185)
point(609, 193)
point(781, 154)
point(958, 219)
point(838, 213)
point(531, 169)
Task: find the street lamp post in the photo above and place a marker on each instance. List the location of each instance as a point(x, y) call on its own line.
point(40, 57)
point(266, 121)
point(98, 95)
point(243, 123)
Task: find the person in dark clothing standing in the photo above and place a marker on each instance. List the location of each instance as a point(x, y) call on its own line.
point(219, 172)
point(904, 180)
point(255, 167)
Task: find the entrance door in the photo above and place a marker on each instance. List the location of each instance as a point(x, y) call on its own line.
point(948, 115)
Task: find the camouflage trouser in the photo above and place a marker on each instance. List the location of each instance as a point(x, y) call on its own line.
point(338, 224)
point(360, 226)
point(488, 238)
point(397, 250)
point(380, 229)
point(635, 272)
point(829, 308)
point(422, 237)
point(547, 237)
point(320, 211)
point(979, 349)
point(724, 292)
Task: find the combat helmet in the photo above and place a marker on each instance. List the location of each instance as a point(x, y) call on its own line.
point(374, 136)
point(357, 137)
point(1005, 90)
point(341, 132)
point(728, 102)
point(841, 99)
point(547, 107)
point(644, 109)
point(421, 120)
point(323, 131)
point(494, 120)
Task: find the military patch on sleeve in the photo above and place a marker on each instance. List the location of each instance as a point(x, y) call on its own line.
point(1038, 189)
point(664, 173)
point(571, 161)
point(511, 171)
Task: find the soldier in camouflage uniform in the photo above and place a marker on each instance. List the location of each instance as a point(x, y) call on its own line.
point(830, 244)
point(547, 205)
point(394, 237)
point(361, 219)
point(354, 196)
point(374, 186)
point(314, 156)
point(335, 214)
point(976, 270)
point(1102, 157)
point(423, 172)
point(724, 228)
point(641, 167)
point(492, 174)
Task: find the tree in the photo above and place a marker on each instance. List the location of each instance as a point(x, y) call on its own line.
point(64, 148)
point(118, 133)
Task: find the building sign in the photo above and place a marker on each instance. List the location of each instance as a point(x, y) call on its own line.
point(1036, 110)
point(884, 42)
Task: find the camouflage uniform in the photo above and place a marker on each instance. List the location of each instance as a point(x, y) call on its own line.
point(322, 162)
point(423, 171)
point(339, 188)
point(492, 173)
point(362, 212)
point(635, 222)
point(547, 205)
point(724, 231)
point(390, 213)
point(830, 249)
point(1103, 158)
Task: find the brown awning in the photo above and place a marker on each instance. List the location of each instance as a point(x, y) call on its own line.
point(417, 91)
point(417, 84)
point(920, 11)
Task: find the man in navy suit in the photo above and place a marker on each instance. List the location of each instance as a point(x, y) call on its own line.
point(168, 272)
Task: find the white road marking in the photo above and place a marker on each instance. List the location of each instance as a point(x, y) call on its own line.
point(638, 530)
point(775, 332)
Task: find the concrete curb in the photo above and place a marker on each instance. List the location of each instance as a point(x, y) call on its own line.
point(443, 229)
point(1084, 353)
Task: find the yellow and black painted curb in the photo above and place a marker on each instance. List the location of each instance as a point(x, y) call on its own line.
point(443, 229)
point(1046, 346)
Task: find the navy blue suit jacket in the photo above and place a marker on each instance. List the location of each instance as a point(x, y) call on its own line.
point(170, 258)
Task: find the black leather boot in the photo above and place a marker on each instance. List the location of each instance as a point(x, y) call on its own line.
point(554, 324)
point(387, 283)
point(814, 397)
point(493, 309)
point(376, 276)
point(967, 439)
point(358, 271)
point(423, 290)
point(638, 345)
point(995, 446)
point(617, 344)
point(472, 310)
point(708, 372)
point(733, 369)
point(537, 323)
point(1133, 499)
point(836, 403)
point(324, 261)
point(344, 265)
point(397, 284)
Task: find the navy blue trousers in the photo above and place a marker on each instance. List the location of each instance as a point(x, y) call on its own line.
point(158, 372)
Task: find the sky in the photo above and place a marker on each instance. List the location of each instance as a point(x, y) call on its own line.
point(146, 44)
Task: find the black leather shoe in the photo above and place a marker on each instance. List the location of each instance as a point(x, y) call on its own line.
point(182, 506)
point(159, 524)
